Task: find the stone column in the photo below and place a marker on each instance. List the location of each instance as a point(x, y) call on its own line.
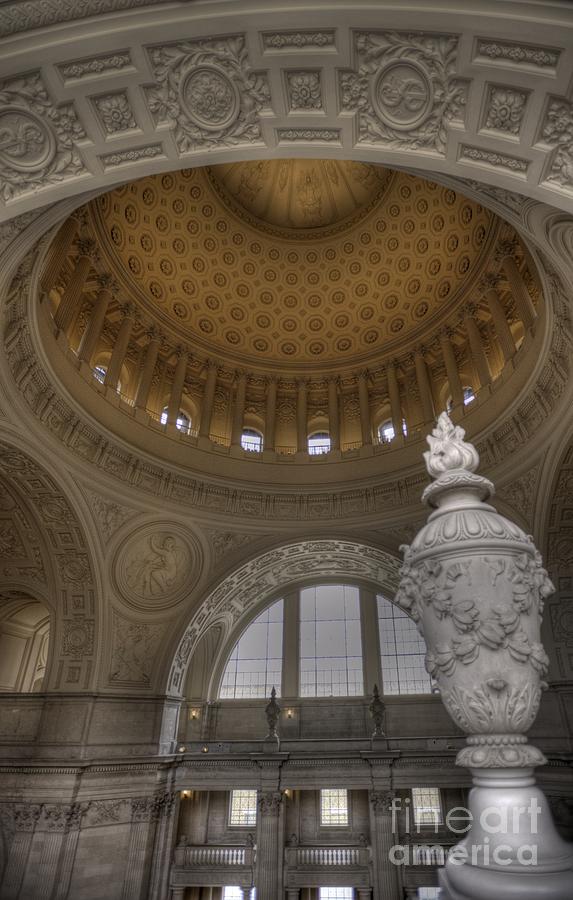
point(449, 356)
point(370, 639)
point(91, 335)
point(208, 399)
point(120, 348)
point(395, 403)
point(384, 872)
point(333, 413)
point(271, 413)
point(146, 376)
point(424, 385)
point(490, 666)
point(74, 817)
point(523, 302)
point(268, 862)
point(144, 815)
point(239, 409)
point(364, 401)
point(53, 824)
point(301, 417)
point(69, 305)
point(502, 329)
point(58, 253)
point(477, 351)
point(168, 806)
point(25, 820)
point(174, 404)
point(291, 639)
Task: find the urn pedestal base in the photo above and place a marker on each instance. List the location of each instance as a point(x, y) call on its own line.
point(512, 849)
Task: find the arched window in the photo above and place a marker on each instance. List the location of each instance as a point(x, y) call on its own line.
point(251, 440)
point(255, 665)
point(469, 397)
point(24, 640)
point(183, 422)
point(100, 373)
point(386, 431)
point(318, 443)
point(402, 652)
point(330, 642)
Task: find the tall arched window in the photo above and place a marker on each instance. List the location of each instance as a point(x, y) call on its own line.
point(330, 642)
point(318, 443)
point(255, 665)
point(402, 652)
point(386, 432)
point(251, 440)
point(183, 422)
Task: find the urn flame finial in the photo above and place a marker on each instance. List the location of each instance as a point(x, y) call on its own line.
point(448, 450)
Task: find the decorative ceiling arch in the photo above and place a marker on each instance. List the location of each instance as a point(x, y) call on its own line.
point(70, 583)
point(256, 582)
point(463, 94)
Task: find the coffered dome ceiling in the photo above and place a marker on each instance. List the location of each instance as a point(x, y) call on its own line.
point(294, 261)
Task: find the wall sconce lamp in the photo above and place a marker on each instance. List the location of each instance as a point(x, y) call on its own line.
point(289, 713)
point(194, 714)
point(204, 748)
point(181, 749)
point(185, 795)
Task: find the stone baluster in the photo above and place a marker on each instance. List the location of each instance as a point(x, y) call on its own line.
point(268, 862)
point(148, 369)
point(120, 348)
point(58, 253)
point(174, 404)
point(364, 402)
point(449, 356)
point(395, 402)
point(523, 302)
point(502, 329)
point(333, 414)
point(477, 351)
point(25, 820)
point(271, 413)
point(88, 344)
point(208, 400)
point(69, 305)
point(301, 417)
point(424, 387)
point(239, 409)
point(384, 872)
point(144, 815)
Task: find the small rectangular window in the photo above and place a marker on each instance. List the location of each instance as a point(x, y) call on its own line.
point(335, 893)
point(429, 893)
point(427, 806)
point(243, 808)
point(236, 893)
point(334, 807)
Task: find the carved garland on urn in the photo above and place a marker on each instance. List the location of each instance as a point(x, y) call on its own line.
point(474, 583)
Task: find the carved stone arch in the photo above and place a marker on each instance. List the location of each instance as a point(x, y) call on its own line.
point(64, 569)
point(464, 67)
point(254, 583)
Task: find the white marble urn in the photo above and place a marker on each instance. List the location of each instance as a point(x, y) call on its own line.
point(474, 583)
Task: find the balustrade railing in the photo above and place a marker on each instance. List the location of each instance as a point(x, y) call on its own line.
point(318, 857)
point(214, 856)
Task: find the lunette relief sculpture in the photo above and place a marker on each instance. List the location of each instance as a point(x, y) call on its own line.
point(475, 584)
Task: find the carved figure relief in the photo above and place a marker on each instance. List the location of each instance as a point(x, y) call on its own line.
point(155, 566)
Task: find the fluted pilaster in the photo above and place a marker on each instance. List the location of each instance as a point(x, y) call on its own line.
point(69, 305)
point(385, 874)
point(364, 402)
point(424, 387)
point(333, 414)
point(58, 254)
point(502, 329)
point(120, 348)
point(146, 376)
point(523, 302)
point(449, 356)
point(477, 351)
point(301, 416)
point(268, 861)
point(208, 400)
point(92, 334)
point(271, 414)
point(239, 409)
point(174, 404)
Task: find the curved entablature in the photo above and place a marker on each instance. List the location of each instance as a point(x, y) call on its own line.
point(162, 348)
